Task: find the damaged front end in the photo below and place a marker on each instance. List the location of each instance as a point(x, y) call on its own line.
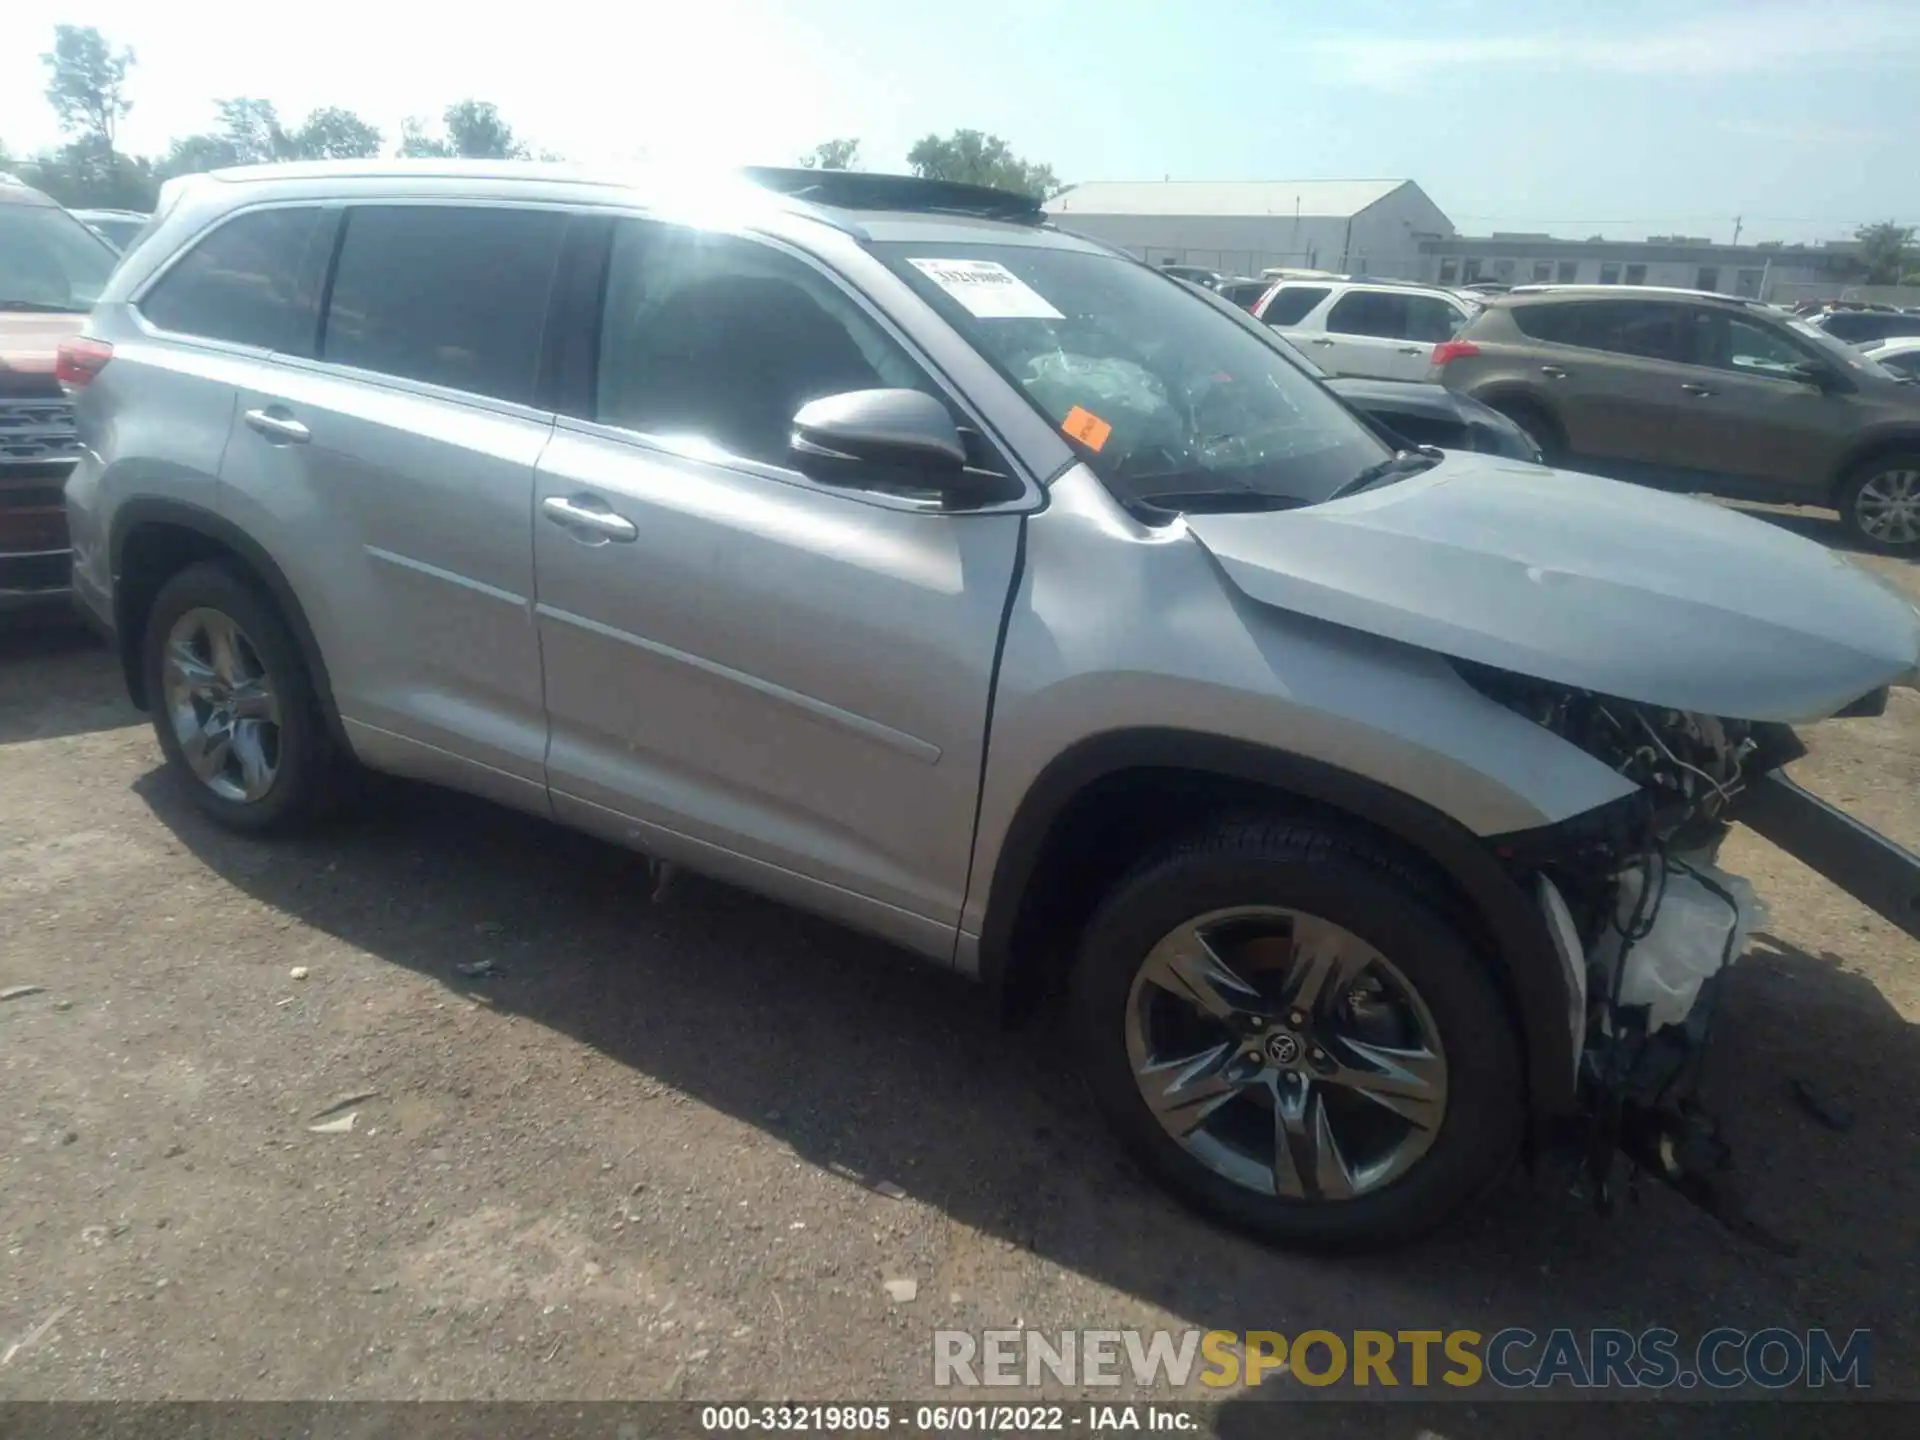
point(1647, 922)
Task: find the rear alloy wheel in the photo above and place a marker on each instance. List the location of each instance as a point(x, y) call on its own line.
point(1880, 504)
point(232, 704)
point(1286, 1028)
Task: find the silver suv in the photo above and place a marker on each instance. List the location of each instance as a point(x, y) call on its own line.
point(867, 542)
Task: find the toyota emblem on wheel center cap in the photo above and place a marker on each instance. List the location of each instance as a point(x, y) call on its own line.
point(1282, 1048)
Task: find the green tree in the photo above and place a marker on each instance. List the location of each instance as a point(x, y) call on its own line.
point(473, 131)
point(1886, 252)
point(831, 155)
point(977, 159)
point(253, 131)
point(87, 83)
point(335, 134)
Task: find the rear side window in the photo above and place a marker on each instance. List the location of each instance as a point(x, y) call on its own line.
point(1647, 329)
point(446, 294)
point(1369, 312)
point(1292, 304)
point(1431, 319)
point(254, 281)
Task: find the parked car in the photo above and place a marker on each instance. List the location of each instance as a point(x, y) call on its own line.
point(1323, 776)
point(1241, 291)
point(1380, 330)
point(1692, 390)
point(51, 268)
point(1196, 274)
point(116, 227)
point(1862, 327)
point(1424, 414)
point(1900, 355)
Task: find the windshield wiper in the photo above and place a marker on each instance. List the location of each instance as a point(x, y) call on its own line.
point(40, 307)
point(1212, 502)
point(1397, 466)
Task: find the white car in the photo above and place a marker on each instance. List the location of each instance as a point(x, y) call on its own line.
point(1901, 355)
point(1375, 329)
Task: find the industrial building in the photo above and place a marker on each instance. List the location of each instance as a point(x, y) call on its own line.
point(1772, 272)
point(1375, 227)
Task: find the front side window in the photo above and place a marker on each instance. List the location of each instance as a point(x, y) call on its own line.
point(450, 295)
point(1293, 303)
point(1750, 348)
point(718, 341)
point(1369, 312)
point(254, 281)
point(1170, 396)
point(49, 260)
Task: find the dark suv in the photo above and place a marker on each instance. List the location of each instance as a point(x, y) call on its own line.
point(52, 268)
point(1696, 391)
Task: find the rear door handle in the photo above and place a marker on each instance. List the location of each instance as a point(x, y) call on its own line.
point(282, 428)
point(1693, 389)
point(1320, 340)
point(1414, 349)
point(1553, 372)
point(588, 518)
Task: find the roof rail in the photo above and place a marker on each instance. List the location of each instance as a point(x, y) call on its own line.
point(863, 190)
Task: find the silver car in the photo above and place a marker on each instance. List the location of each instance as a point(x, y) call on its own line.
point(866, 542)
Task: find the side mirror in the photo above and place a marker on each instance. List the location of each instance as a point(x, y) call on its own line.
point(902, 429)
point(1812, 372)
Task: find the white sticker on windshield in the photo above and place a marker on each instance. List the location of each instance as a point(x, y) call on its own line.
point(988, 289)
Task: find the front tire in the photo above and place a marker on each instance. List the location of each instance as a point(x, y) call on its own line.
point(1879, 503)
point(1287, 1029)
point(233, 705)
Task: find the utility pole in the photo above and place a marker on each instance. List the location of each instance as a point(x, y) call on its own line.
point(1736, 229)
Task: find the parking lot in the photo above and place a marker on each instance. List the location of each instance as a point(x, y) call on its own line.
point(606, 1147)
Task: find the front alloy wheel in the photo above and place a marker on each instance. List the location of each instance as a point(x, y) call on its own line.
point(1886, 507)
point(1290, 1028)
point(1286, 1054)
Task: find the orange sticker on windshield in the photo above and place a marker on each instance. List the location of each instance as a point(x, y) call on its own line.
point(1086, 427)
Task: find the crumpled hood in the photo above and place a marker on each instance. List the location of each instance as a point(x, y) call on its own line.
point(1603, 586)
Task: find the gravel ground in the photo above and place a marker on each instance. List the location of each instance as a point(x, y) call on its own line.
point(607, 1148)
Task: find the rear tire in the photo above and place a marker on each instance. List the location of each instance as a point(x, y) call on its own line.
point(1450, 1060)
point(1879, 503)
point(233, 705)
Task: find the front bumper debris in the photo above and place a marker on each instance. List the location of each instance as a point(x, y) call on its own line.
point(1881, 875)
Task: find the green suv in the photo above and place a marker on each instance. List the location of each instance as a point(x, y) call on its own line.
point(1690, 390)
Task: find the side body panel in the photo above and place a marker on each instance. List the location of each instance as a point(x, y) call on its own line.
point(404, 523)
point(1173, 646)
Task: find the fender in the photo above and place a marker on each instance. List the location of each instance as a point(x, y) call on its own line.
point(224, 533)
point(1886, 437)
point(1524, 957)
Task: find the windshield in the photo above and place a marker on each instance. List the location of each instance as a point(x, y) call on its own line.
point(1172, 397)
point(49, 260)
point(1839, 351)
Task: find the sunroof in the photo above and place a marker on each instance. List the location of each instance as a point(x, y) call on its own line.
point(861, 190)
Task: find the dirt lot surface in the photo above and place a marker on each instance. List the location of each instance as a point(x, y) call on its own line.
point(640, 1155)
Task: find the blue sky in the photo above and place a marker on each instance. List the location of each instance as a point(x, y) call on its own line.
point(1619, 118)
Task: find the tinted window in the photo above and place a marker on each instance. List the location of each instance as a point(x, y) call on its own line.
point(1733, 342)
point(1369, 312)
point(1431, 319)
point(253, 281)
point(446, 294)
point(721, 340)
point(1292, 303)
point(1625, 327)
point(1906, 363)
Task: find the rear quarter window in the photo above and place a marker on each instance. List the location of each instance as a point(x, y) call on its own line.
point(1291, 304)
point(255, 280)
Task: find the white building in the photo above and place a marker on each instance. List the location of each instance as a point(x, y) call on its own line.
point(1771, 272)
point(1371, 227)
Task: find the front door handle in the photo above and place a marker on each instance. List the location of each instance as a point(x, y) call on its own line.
point(1320, 340)
point(1692, 389)
point(588, 518)
point(1413, 349)
point(282, 427)
point(1553, 372)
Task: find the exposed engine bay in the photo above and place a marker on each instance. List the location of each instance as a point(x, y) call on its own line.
point(1653, 923)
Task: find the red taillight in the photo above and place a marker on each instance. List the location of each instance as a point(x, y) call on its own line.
point(80, 360)
point(1454, 350)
